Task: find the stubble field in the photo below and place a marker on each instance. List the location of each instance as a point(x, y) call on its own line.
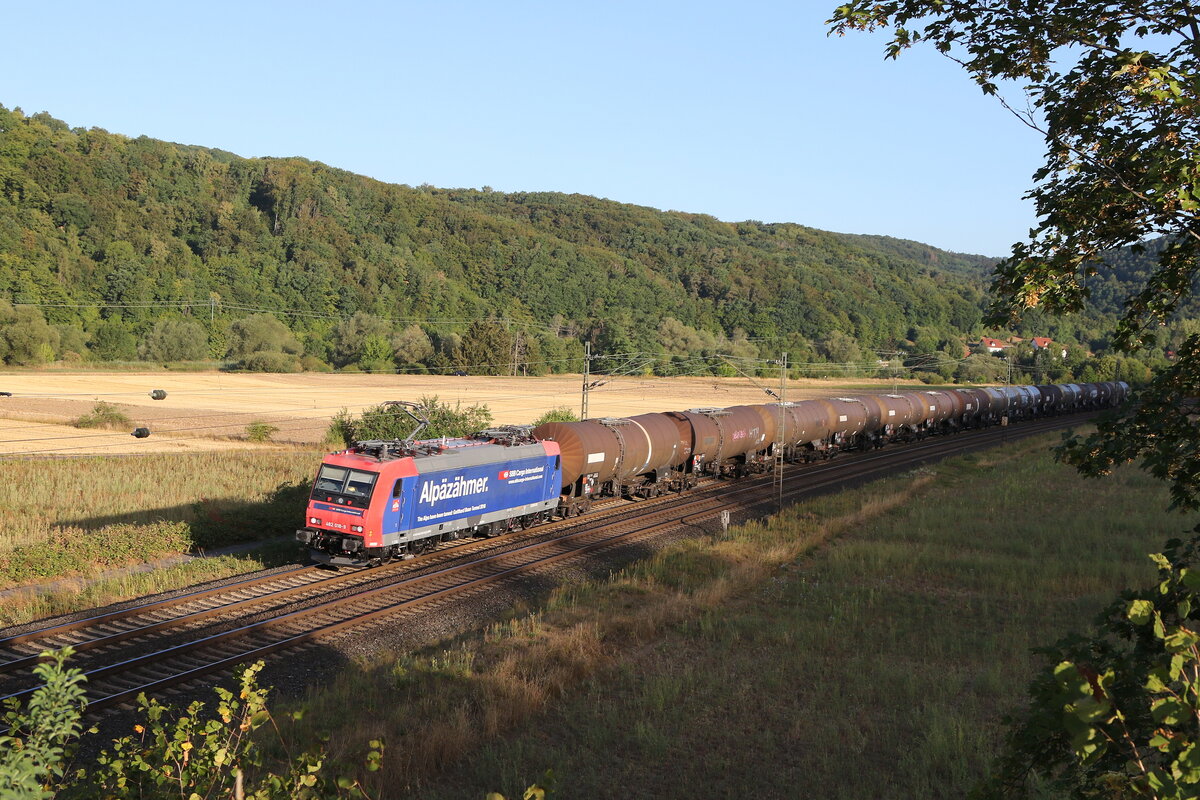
point(210, 410)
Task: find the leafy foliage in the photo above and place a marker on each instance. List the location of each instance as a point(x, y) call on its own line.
point(92, 217)
point(39, 741)
point(1120, 123)
point(385, 422)
point(1113, 87)
point(172, 754)
point(259, 431)
point(560, 414)
point(1114, 713)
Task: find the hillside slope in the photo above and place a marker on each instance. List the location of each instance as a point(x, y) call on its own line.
point(109, 234)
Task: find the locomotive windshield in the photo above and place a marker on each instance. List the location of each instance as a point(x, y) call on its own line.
point(350, 486)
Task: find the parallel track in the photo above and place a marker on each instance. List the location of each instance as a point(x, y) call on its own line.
point(171, 642)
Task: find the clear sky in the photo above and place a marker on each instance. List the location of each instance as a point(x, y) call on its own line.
point(743, 111)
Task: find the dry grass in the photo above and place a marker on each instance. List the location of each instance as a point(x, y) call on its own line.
point(863, 645)
point(40, 499)
point(86, 593)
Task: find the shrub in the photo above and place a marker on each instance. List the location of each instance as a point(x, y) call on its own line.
point(103, 415)
point(175, 340)
point(560, 414)
point(390, 422)
point(269, 361)
point(174, 753)
point(259, 431)
point(314, 364)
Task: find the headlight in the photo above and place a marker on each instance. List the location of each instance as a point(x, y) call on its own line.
point(314, 520)
point(356, 528)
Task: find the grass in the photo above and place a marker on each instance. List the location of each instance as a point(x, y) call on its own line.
point(25, 607)
point(865, 644)
point(80, 516)
point(39, 498)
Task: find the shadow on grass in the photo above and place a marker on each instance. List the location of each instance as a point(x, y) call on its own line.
point(217, 522)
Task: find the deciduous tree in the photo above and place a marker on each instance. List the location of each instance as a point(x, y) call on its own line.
point(1113, 86)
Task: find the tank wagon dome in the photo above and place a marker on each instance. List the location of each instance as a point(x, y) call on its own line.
point(917, 409)
point(1050, 396)
point(1071, 394)
point(845, 416)
point(1000, 400)
point(940, 406)
point(876, 410)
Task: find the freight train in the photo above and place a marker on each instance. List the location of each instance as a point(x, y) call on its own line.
point(381, 500)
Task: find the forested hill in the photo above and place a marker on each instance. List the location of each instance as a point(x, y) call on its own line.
point(114, 230)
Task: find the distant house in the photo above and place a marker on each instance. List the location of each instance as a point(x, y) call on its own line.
point(993, 345)
point(1044, 343)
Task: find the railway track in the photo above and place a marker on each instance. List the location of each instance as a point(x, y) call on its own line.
point(167, 643)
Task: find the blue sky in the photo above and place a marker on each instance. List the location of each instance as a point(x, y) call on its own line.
point(742, 112)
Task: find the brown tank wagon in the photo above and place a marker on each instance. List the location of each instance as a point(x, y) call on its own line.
point(649, 454)
point(976, 403)
point(626, 455)
point(740, 438)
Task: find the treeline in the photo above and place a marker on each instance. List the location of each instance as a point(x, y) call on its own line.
point(118, 249)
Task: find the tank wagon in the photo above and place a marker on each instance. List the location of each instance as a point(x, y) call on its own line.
point(381, 500)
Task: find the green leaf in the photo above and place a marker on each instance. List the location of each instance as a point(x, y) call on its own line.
point(1169, 711)
point(1140, 611)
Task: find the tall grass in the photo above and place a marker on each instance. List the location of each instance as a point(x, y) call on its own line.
point(46, 498)
point(862, 645)
point(24, 606)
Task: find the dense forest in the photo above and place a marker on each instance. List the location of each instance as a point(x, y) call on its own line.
point(120, 249)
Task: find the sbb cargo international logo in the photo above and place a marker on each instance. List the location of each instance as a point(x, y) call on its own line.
point(521, 475)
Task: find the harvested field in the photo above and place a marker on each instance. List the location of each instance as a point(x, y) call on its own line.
point(210, 410)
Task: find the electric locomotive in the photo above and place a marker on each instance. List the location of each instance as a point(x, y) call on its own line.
point(381, 500)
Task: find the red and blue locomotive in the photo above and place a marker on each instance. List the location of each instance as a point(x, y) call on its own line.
point(381, 500)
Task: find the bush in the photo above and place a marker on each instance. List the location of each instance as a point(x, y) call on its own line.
point(268, 361)
point(174, 753)
point(261, 333)
point(314, 364)
point(560, 414)
point(103, 415)
point(390, 422)
point(259, 431)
